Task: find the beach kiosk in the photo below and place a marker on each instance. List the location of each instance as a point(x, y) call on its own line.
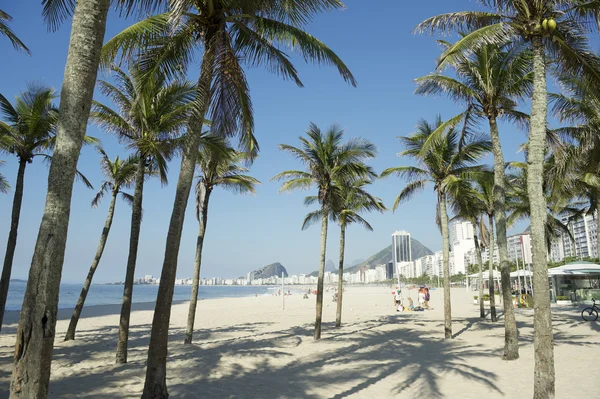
point(579, 281)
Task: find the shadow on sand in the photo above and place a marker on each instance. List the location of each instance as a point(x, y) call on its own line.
point(281, 363)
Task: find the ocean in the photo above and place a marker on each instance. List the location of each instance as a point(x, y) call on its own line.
point(101, 294)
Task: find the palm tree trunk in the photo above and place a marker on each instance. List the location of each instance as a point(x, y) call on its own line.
point(446, 265)
point(511, 341)
point(12, 238)
point(491, 271)
point(35, 334)
point(321, 275)
point(88, 280)
point(480, 262)
point(155, 385)
point(134, 240)
point(338, 315)
point(543, 386)
point(198, 262)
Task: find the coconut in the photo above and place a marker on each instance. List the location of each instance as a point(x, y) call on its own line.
point(545, 24)
point(551, 24)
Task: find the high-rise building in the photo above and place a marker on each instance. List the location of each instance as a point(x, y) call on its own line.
point(519, 247)
point(389, 270)
point(402, 253)
point(401, 246)
point(461, 237)
point(460, 231)
point(582, 244)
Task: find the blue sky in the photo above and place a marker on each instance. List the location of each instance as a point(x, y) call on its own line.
point(246, 232)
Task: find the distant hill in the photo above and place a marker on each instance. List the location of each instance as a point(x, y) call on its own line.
point(384, 256)
point(274, 269)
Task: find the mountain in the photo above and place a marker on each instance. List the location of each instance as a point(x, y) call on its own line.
point(330, 266)
point(384, 256)
point(274, 269)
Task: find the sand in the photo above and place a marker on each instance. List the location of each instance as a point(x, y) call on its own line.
point(251, 348)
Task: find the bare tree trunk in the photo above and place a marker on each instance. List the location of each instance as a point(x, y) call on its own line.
point(511, 340)
point(543, 342)
point(155, 385)
point(35, 334)
point(134, 240)
point(480, 262)
point(321, 274)
point(338, 315)
point(88, 280)
point(491, 272)
point(446, 265)
point(205, 194)
point(12, 238)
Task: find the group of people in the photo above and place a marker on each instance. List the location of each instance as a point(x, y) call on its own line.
point(423, 297)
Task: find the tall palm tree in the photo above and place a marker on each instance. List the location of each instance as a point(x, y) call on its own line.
point(489, 82)
point(119, 173)
point(6, 31)
point(219, 167)
point(228, 32)
point(37, 323)
point(151, 115)
point(327, 160)
point(351, 200)
point(556, 28)
point(484, 186)
point(466, 205)
point(450, 159)
point(28, 130)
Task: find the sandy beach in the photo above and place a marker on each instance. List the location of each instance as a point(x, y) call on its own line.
point(251, 348)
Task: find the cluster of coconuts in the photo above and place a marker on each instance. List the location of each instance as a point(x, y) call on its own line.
point(549, 25)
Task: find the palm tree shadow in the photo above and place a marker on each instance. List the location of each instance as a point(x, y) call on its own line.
point(388, 352)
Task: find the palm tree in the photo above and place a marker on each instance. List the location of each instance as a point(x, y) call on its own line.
point(228, 32)
point(519, 206)
point(484, 186)
point(119, 174)
point(466, 205)
point(219, 167)
point(28, 131)
point(449, 160)
point(488, 82)
point(578, 163)
point(151, 115)
point(555, 28)
point(327, 161)
point(37, 323)
point(6, 31)
point(351, 200)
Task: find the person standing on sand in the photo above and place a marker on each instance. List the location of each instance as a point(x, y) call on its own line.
point(421, 296)
point(427, 298)
point(397, 297)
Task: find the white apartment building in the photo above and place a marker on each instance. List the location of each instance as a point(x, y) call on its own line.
point(461, 239)
point(584, 232)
